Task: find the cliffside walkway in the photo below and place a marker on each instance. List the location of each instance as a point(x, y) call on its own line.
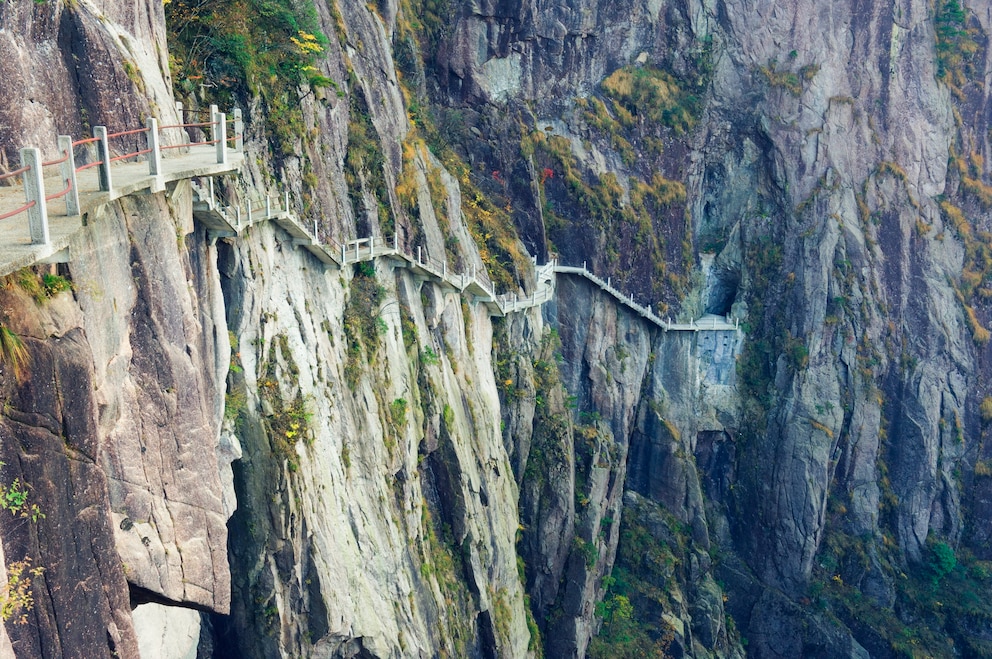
point(30, 233)
point(708, 322)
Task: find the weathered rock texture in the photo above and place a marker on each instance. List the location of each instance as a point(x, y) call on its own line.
point(413, 478)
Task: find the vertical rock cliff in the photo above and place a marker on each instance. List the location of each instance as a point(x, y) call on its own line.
point(217, 445)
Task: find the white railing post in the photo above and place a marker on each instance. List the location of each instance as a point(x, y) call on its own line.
point(69, 175)
point(342, 255)
point(248, 206)
point(34, 190)
point(213, 122)
point(396, 240)
point(221, 137)
point(268, 205)
point(210, 192)
point(103, 153)
point(371, 246)
point(356, 250)
point(239, 131)
point(155, 156)
point(285, 201)
point(237, 215)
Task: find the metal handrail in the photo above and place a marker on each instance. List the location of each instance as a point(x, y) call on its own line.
point(131, 155)
point(57, 195)
point(23, 208)
point(15, 173)
point(56, 162)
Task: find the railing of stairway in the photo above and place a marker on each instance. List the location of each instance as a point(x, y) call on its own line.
point(32, 167)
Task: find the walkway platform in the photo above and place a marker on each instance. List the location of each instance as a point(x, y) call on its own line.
point(36, 232)
point(16, 250)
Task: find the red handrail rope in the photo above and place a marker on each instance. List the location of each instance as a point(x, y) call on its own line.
point(92, 164)
point(56, 162)
point(88, 140)
point(179, 146)
point(130, 155)
point(68, 187)
point(19, 210)
point(127, 132)
point(15, 172)
point(197, 125)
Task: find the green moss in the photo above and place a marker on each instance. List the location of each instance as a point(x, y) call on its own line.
point(942, 603)
point(644, 578)
point(364, 162)
point(362, 323)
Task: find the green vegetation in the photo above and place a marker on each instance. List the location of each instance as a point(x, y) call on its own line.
point(428, 357)
point(397, 417)
point(942, 603)
point(985, 409)
point(442, 560)
point(639, 217)
point(42, 287)
point(14, 499)
point(642, 587)
point(655, 95)
point(624, 217)
point(16, 598)
point(267, 48)
point(290, 420)
point(13, 353)
point(364, 162)
point(236, 398)
point(362, 323)
point(486, 208)
point(957, 45)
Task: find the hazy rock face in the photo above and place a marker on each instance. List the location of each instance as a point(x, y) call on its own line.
point(824, 146)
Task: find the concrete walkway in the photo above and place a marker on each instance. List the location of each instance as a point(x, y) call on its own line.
point(53, 231)
point(16, 250)
point(708, 322)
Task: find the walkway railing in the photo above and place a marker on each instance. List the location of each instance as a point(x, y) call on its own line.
point(717, 323)
point(32, 175)
point(474, 281)
point(232, 221)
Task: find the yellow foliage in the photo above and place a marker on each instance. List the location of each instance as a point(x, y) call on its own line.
point(985, 409)
point(822, 428)
point(307, 43)
point(979, 189)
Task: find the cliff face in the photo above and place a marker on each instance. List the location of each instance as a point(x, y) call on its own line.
point(413, 477)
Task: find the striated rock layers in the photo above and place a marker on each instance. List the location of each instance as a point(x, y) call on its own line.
point(413, 477)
